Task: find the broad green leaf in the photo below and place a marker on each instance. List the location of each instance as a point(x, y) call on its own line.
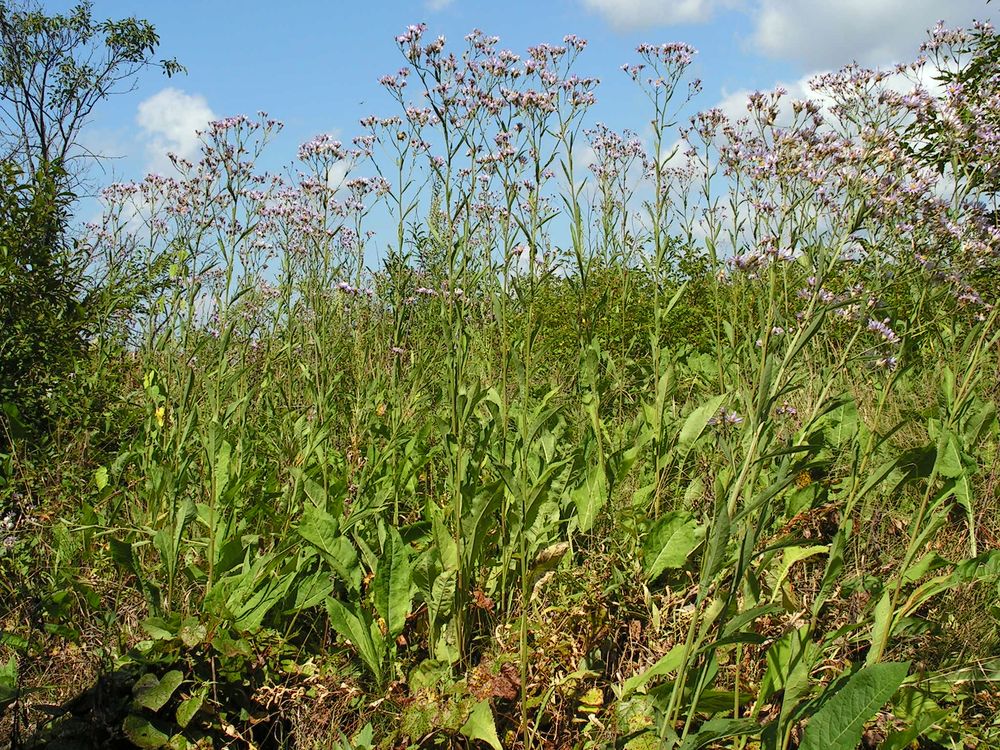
point(311, 591)
point(669, 662)
point(834, 564)
point(154, 694)
point(718, 538)
point(978, 427)
point(429, 674)
point(8, 681)
point(929, 562)
point(322, 531)
point(123, 554)
point(840, 425)
point(142, 733)
point(904, 739)
point(221, 478)
point(481, 726)
point(883, 619)
point(590, 497)
point(985, 567)
point(353, 626)
point(839, 722)
point(696, 421)
point(159, 629)
point(670, 542)
point(694, 492)
point(363, 740)
point(442, 595)
point(192, 632)
point(101, 477)
point(190, 706)
point(253, 594)
point(948, 386)
point(962, 491)
point(392, 587)
point(798, 657)
point(787, 663)
point(790, 556)
point(717, 729)
point(949, 456)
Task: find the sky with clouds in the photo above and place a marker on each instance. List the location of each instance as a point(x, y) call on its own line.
point(315, 65)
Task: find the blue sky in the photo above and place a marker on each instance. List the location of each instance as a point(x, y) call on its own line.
point(314, 65)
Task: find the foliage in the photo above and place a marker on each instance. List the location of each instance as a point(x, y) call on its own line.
point(42, 322)
point(55, 69)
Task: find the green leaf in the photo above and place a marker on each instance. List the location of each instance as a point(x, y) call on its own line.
point(480, 726)
point(192, 632)
point(442, 598)
point(392, 587)
point(590, 497)
point(980, 425)
point(949, 456)
point(840, 721)
point(669, 662)
point(251, 594)
point(222, 461)
point(790, 556)
point(789, 661)
point(101, 478)
point(905, 738)
point(322, 531)
point(142, 733)
point(355, 626)
point(189, 707)
point(696, 421)
point(122, 554)
point(153, 694)
point(962, 491)
point(882, 622)
point(669, 543)
point(719, 729)
point(8, 682)
point(840, 425)
point(834, 564)
point(948, 387)
point(159, 629)
point(718, 537)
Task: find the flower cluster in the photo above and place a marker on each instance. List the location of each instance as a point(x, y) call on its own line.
point(726, 418)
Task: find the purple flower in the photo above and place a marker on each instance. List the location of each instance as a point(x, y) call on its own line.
point(726, 417)
point(887, 363)
point(882, 328)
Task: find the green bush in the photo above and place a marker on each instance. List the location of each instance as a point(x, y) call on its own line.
point(42, 322)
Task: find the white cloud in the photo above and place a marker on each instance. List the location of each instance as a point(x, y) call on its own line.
point(817, 34)
point(169, 121)
point(436, 5)
point(638, 14)
point(825, 34)
point(734, 104)
point(337, 174)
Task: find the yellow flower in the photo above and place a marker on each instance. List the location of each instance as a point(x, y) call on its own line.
point(161, 413)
